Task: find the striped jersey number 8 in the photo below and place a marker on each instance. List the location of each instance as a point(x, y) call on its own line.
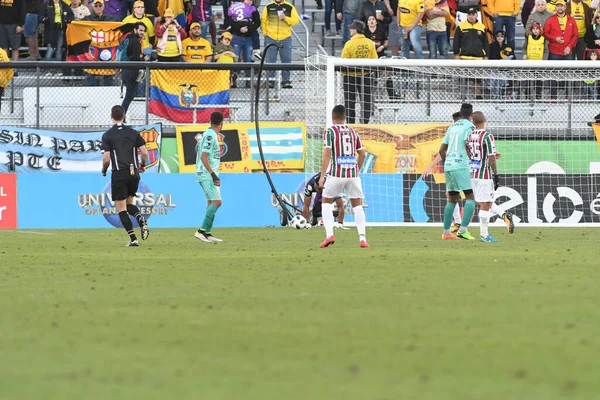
point(347, 144)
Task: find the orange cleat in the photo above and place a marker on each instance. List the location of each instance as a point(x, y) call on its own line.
point(364, 244)
point(450, 237)
point(328, 241)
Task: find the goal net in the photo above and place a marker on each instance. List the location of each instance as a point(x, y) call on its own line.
point(540, 113)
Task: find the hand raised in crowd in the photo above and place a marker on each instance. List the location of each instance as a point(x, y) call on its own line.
point(244, 29)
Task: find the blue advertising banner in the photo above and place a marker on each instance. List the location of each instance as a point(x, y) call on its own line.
point(177, 201)
point(25, 150)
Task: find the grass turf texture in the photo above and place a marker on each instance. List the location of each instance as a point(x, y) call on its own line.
point(269, 315)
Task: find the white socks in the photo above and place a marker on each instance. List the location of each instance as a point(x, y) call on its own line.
point(496, 210)
point(484, 220)
point(361, 222)
point(327, 212)
point(456, 216)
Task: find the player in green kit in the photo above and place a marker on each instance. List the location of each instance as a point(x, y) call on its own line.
point(208, 159)
point(457, 172)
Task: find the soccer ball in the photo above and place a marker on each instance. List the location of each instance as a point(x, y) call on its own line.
point(298, 222)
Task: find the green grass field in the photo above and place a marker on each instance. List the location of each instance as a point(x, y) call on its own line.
point(269, 315)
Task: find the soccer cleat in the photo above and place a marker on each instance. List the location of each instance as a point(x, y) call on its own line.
point(144, 228)
point(133, 243)
point(364, 244)
point(449, 237)
point(508, 220)
point(454, 228)
point(328, 241)
point(202, 236)
point(213, 239)
point(465, 235)
point(487, 239)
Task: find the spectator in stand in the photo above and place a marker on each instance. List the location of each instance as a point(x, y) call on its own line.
point(170, 35)
point(330, 9)
point(536, 51)
point(135, 52)
point(98, 14)
point(592, 34)
point(358, 83)
point(505, 17)
point(30, 30)
point(277, 20)
point(436, 13)
point(410, 16)
point(500, 50)
point(6, 74)
point(12, 20)
point(80, 11)
point(139, 15)
point(377, 32)
point(526, 9)
point(224, 51)
point(582, 14)
point(346, 11)
point(244, 20)
point(561, 34)
point(471, 43)
point(151, 8)
point(551, 6)
point(393, 31)
point(112, 8)
point(374, 8)
point(539, 16)
point(195, 48)
point(55, 15)
point(592, 87)
point(201, 12)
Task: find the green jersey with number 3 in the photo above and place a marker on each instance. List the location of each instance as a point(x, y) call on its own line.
point(456, 138)
point(209, 144)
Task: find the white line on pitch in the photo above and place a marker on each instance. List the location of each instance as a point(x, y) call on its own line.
point(34, 233)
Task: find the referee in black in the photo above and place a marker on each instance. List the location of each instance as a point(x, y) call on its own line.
point(120, 144)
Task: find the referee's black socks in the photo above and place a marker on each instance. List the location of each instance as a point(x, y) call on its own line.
point(134, 212)
point(126, 221)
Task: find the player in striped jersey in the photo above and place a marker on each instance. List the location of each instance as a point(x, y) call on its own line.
point(341, 144)
point(484, 177)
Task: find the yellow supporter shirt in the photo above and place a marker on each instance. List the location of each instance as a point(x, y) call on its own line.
point(171, 49)
point(130, 19)
point(551, 6)
point(578, 14)
point(535, 48)
point(274, 27)
point(437, 24)
point(408, 11)
point(196, 50)
point(57, 13)
point(359, 47)
point(562, 22)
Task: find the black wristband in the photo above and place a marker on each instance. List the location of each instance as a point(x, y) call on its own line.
point(215, 177)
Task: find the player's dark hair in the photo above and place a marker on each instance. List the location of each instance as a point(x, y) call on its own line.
point(456, 116)
point(137, 25)
point(466, 110)
point(216, 118)
point(117, 113)
point(338, 112)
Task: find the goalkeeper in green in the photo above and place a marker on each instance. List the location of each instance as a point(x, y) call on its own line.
point(454, 154)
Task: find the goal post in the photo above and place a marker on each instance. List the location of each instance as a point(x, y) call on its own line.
point(539, 112)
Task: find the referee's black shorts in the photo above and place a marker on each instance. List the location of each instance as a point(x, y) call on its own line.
point(124, 185)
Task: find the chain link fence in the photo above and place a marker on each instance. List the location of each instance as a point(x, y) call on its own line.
point(75, 96)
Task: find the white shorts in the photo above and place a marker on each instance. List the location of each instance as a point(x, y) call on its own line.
point(334, 187)
point(483, 189)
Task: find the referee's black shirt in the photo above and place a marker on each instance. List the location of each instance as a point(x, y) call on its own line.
point(122, 143)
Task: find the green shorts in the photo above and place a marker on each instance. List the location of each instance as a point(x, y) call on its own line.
point(458, 180)
point(211, 191)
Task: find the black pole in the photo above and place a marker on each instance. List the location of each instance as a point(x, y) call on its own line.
point(284, 208)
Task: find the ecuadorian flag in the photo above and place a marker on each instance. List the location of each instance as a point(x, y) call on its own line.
point(282, 146)
point(186, 96)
